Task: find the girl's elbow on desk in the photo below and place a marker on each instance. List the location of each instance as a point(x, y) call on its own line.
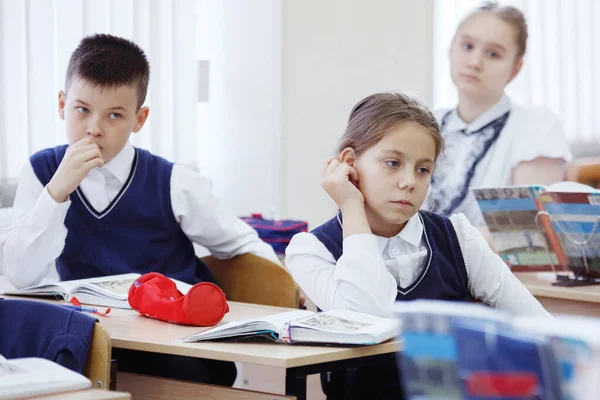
point(345, 297)
point(384, 311)
point(369, 303)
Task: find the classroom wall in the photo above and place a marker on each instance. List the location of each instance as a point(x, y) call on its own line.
point(283, 77)
point(336, 52)
point(240, 124)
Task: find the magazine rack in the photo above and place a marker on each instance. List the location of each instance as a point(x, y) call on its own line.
point(582, 276)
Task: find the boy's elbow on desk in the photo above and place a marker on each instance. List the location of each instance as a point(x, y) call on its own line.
point(16, 275)
point(19, 281)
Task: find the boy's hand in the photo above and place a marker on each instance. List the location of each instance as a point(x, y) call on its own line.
point(339, 181)
point(79, 159)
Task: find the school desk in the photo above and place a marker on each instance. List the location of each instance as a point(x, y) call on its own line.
point(129, 330)
point(153, 388)
point(579, 300)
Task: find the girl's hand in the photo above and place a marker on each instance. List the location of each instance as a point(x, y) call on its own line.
point(339, 181)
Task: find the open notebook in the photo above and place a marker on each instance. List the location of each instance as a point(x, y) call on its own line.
point(336, 326)
point(107, 291)
point(25, 377)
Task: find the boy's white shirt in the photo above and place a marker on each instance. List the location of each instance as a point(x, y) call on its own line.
point(366, 277)
point(529, 133)
point(37, 235)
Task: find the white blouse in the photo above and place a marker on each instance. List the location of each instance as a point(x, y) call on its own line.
point(367, 275)
point(529, 133)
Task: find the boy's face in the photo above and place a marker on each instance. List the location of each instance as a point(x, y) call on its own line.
point(106, 115)
point(394, 176)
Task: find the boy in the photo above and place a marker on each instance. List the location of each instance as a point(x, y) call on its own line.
point(99, 206)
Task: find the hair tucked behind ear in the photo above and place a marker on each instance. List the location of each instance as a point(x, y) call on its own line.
point(372, 117)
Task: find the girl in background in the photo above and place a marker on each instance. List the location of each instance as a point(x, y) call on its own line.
point(490, 141)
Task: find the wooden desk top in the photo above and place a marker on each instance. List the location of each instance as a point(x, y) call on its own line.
point(91, 394)
point(129, 330)
point(540, 285)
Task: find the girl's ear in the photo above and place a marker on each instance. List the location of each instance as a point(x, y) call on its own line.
point(348, 156)
point(516, 69)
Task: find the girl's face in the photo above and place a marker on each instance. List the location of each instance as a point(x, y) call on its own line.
point(483, 57)
point(394, 176)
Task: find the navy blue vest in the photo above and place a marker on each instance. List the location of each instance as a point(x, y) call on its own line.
point(137, 232)
point(444, 276)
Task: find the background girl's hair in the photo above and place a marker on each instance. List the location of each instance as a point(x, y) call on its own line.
point(372, 117)
point(509, 14)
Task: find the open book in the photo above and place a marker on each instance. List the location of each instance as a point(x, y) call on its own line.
point(568, 213)
point(26, 377)
point(336, 326)
point(575, 218)
point(107, 291)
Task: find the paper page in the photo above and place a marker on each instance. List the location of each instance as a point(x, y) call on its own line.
point(345, 322)
point(26, 377)
point(571, 187)
point(272, 322)
point(7, 287)
point(44, 288)
point(114, 286)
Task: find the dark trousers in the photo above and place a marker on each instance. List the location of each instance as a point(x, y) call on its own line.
point(380, 382)
point(214, 372)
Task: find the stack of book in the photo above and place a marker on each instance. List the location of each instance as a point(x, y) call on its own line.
point(459, 351)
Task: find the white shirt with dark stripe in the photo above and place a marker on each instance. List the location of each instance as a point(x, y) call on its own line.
point(37, 235)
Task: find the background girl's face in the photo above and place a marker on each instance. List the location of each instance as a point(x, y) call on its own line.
point(483, 57)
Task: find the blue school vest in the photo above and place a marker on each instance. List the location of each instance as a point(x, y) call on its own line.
point(137, 232)
point(444, 276)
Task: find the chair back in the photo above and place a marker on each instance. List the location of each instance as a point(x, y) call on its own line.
point(585, 170)
point(252, 279)
point(97, 367)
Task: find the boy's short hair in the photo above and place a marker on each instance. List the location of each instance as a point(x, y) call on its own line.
point(110, 61)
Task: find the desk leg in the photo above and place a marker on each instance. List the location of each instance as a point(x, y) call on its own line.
point(113, 375)
point(295, 383)
point(350, 384)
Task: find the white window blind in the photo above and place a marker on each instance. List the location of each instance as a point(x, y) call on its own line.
point(37, 38)
point(561, 64)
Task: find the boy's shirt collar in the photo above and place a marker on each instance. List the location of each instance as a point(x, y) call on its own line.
point(120, 165)
point(411, 234)
point(455, 123)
